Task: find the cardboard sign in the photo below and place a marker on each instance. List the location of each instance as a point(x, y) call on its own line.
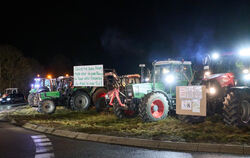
point(91, 75)
point(191, 100)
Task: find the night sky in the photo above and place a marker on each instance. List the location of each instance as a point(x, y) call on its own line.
point(122, 34)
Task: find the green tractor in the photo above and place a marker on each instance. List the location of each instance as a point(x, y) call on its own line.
point(65, 95)
point(40, 85)
point(157, 99)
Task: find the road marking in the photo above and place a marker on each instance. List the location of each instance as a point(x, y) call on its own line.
point(44, 144)
point(46, 155)
point(41, 140)
point(38, 136)
point(42, 149)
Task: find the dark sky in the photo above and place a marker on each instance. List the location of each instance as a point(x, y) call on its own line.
point(122, 34)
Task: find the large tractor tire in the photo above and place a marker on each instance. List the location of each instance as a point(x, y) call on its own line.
point(121, 113)
point(236, 110)
point(47, 107)
point(99, 93)
point(80, 101)
point(191, 119)
point(101, 105)
point(154, 107)
point(31, 99)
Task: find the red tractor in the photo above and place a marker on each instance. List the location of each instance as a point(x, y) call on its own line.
point(114, 98)
point(227, 79)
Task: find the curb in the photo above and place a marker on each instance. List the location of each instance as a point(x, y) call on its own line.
point(145, 143)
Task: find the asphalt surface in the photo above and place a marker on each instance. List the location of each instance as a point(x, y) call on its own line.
point(10, 106)
point(16, 142)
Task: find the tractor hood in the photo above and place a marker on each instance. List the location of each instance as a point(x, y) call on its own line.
point(224, 79)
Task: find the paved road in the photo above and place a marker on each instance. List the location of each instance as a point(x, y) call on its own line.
point(4, 107)
point(16, 142)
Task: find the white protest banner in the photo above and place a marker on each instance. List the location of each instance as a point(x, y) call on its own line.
point(91, 75)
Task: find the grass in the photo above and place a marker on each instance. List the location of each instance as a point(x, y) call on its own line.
point(212, 130)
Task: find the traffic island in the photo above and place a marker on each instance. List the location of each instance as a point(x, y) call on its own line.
point(169, 134)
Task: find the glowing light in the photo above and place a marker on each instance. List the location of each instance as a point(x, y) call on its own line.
point(215, 56)
point(244, 52)
point(247, 77)
point(37, 75)
point(207, 73)
point(212, 90)
point(67, 75)
point(169, 79)
point(147, 79)
point(165, 71)
point(49, 76)
point(245, 71)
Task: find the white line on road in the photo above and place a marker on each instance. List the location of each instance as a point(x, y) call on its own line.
point(41, 140)
point(44, 144)
point(46, 155)
point(38, 136)
point(42, 149)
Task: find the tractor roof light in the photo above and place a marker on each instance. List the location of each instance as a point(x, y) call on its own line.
point(215, 56)
point(244, 52)
point(49, 76)
point(165, 71)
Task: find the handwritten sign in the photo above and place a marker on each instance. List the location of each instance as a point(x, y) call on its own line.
point(91, 75)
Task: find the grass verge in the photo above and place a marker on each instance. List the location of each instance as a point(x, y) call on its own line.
point(212, 130)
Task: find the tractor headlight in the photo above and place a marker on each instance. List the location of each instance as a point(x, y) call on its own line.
point(1, 99)
point(247, 77)
point(170, 79)
point(206, 74)
point(147, 79)
point(245, 71)
point(212, 90)
point(8, 99)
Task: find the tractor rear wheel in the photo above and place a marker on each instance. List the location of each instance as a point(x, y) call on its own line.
point(99, 93)
point(122, 113)
point(236, 110)
point(154, 107)
point(100, 105)
point(80, 101)
point(31, 99)
point(47, 107)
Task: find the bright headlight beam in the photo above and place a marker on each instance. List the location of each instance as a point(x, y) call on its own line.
point(244, 52)
point(212, 90)
point(245, 71)
point(247, 77)
point(215, 56)
point(169, 79)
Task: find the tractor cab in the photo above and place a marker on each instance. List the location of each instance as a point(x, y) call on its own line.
point(42, 84)
point(64, 83)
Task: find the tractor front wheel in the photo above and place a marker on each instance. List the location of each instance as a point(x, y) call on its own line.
point(47, 107)
point(236, 110)
point(154, 107)
point(31, 99)
point(80, 101)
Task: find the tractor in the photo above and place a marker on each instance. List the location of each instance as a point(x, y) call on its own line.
point(227, 77)
point(65, 95)
point(112, 98)
point(40, 85)
point(157, 99)
point(75, 98)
